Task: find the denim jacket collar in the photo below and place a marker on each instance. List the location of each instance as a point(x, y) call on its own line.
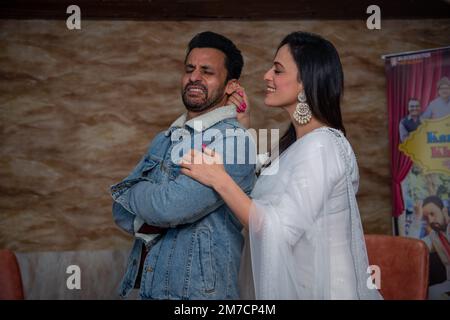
point(207, 119)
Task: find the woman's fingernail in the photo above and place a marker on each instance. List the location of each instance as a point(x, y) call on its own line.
point(240, 93)
point(243, 106)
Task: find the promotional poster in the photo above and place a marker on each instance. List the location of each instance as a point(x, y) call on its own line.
point(418, 89)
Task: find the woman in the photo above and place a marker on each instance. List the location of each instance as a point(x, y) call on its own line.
point(304, 228)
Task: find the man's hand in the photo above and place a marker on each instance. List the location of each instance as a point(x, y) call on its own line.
point(418, 210)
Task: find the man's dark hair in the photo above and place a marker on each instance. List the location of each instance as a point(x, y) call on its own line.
point(233, 57)
point(433, 199)
point(413, 100)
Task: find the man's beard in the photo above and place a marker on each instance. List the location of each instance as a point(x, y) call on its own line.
point(436, 226)
point(203, 104)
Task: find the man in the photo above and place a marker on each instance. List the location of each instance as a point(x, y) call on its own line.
point(410, 123)
point(439, 107)
point(432, 225)
point(188, 243)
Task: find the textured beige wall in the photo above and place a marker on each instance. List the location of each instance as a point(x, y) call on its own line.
point(78, 108)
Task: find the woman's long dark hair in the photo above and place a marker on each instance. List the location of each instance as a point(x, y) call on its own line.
point(320, 71)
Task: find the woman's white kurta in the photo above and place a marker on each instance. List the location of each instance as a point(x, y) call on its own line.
point(305, 239)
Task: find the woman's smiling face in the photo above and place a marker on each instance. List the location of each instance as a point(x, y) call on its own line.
point(282, 81)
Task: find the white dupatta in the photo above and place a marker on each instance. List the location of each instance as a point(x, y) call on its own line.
point(290, 215)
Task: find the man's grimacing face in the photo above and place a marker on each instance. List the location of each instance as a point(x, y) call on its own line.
point(203, 82)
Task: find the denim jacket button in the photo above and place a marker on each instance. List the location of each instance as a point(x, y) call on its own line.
point(149, 269)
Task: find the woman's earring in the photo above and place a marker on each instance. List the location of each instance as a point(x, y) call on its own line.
point(302, 113)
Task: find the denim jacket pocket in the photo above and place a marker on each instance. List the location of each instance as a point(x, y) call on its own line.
point(174, 171)
point(149, 164)
point(207, 260)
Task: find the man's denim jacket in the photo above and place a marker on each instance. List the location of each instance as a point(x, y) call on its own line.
point(199, 255)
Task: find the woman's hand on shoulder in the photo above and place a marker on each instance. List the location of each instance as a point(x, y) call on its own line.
point(206, 167)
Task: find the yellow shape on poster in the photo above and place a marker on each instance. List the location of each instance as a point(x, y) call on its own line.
point(429, 145)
